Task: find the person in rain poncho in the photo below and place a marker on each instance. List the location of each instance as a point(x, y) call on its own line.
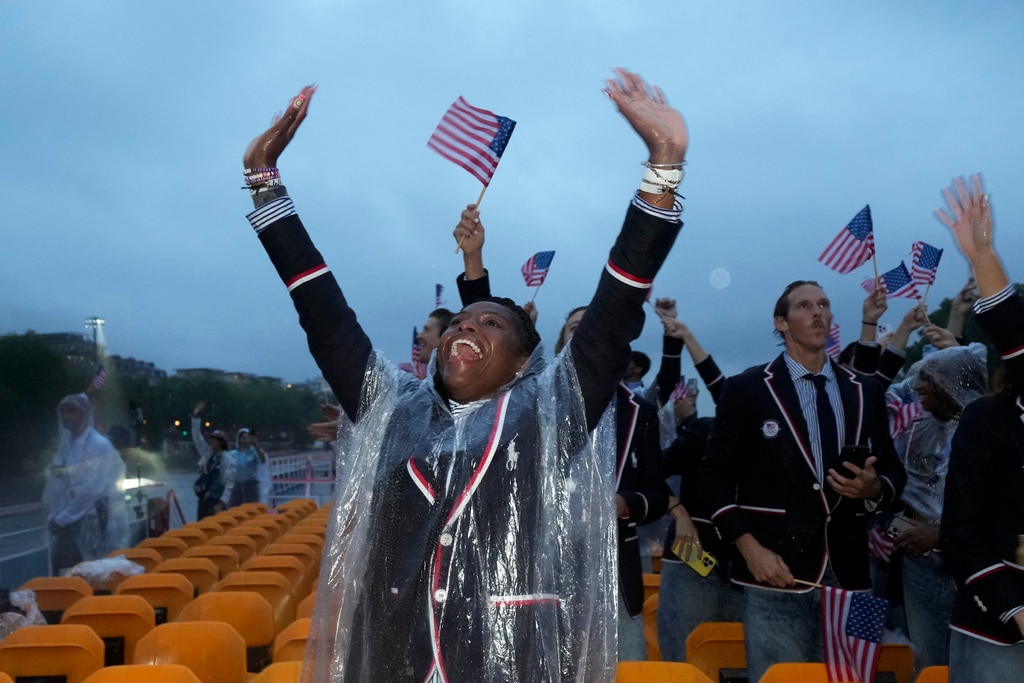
point(209, 487)
point(473, 530)
point(240, 470)
point(946, 381)
point(87, 513)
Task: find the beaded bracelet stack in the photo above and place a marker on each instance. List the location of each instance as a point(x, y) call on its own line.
point(660, 179)
point(257, 179)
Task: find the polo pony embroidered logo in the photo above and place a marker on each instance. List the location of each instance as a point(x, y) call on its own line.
point(770, 429)
point(513, 456)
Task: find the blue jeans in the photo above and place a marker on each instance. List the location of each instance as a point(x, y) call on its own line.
point(779, 626)
point(685, 599)
point(632, 643)
point(975, 661)
point(928, 595)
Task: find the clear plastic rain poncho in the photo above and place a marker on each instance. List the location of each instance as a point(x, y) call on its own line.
point(472, 548)
point(83, 487)
point(959, 372)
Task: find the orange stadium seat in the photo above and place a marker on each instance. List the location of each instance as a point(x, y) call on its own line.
point(243, 545)
point(650, 617)
point(64, 652)
point(305, 608)
point(933, 674)
point(211, 649)
point(271, 585)
point(119, 620)
point(54, 594)
point(280, 672)
point(660, 672)
point(290, 644)
point(248, 613)
point(290, 568)
point(167, 547)
point(201, 572)
point(166, 593)
point(191, 537)
point(804, 672)
point(259, 535)
point(716, 645)
point(142, 673)
point(224, 556)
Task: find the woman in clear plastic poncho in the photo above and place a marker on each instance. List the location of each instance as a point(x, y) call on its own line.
point(472, 534)
point(946, 381)
point(87, 513)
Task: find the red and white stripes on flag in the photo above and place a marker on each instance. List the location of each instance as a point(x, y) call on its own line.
point(852, 625)
point(472, 138)
point(832, 347)
point(853, 246)
point(99, 378)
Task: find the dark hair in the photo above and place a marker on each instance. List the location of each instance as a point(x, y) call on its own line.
point(560, 343)
point(443, 315)
point(642, 360)
point(528, 336)
point(782, 304)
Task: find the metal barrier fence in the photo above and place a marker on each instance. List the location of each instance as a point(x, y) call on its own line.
point(24, 544)
point(308, 475)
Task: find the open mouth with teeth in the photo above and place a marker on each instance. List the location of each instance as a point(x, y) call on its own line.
point(465, 350)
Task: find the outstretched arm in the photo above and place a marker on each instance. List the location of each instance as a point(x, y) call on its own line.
point(337, 342)
point(969, 218)
point(600, 347)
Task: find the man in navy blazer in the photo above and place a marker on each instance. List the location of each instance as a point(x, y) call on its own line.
point(774, 477)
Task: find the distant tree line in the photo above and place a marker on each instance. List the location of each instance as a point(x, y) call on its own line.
point(34, 376)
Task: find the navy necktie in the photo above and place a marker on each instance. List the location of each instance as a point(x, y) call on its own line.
point(828, 434)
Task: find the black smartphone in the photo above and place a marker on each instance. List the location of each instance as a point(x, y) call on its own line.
point(852, 454)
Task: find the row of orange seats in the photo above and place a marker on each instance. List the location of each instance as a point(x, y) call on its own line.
point(227, 598)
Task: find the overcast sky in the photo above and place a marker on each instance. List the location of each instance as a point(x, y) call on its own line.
point(124, 123)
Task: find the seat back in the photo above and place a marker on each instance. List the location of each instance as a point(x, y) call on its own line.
point(804, 672)
point(260, 536)
point(71, 651)
point(211, 649)
point(191, 537)
point(147, 558)
point(54, 594)
point(662, 672)
point(241, 544)
point(933, 674)
point(224, 556)
point(167, 547)
point(290, 644)
point(309, 557)
point(200, 572)
point(248, 613)
point(274, 524)
point(290, 568)
point(280, 672)
point(716, 645)
point(897, 658)
point(167, 593)
point(213, 526)
point(271, 585)
point(305, 607)
point(303, 537)
point(141, 673)
point(119, 620)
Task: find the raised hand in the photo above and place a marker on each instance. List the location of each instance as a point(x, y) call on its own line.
point(469, 232)
point(969, 217)
point(665, 307)
point(265, 148)
point(660, 126)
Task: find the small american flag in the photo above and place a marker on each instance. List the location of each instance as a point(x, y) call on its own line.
point(438, 292)
point(418, 368)
point(880, 546)
point(852, 625)
point(924, 263)
point(536, 268)
point(832, 346)
point(472, 138)
point(99, 378)
point(898, 283)
point(902, 411)
point(853, 246)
